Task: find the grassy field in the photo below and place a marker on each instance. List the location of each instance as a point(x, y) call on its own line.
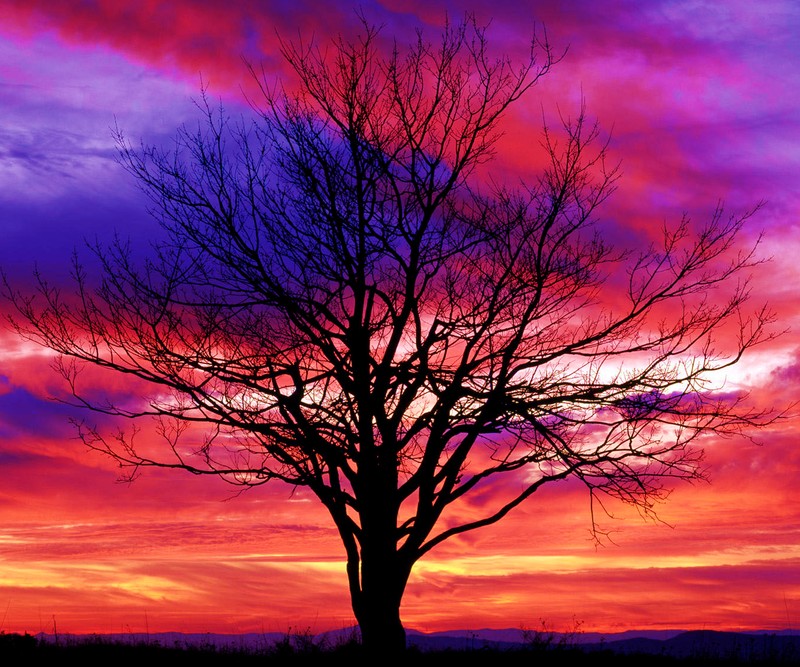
point(26, 649)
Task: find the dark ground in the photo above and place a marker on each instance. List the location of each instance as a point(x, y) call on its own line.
point(710, 649)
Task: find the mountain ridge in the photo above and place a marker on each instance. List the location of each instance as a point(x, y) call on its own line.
point(674, 642)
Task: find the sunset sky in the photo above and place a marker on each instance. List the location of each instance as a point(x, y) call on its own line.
point(702, 101)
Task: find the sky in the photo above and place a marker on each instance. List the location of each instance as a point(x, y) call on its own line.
point(702, 103)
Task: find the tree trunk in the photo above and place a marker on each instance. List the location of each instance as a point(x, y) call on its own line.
point(379, 579)
point(382, 631)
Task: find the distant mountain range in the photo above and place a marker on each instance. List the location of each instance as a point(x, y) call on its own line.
point(783, 646)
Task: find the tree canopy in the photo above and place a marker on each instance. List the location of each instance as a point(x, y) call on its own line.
point(349, 308)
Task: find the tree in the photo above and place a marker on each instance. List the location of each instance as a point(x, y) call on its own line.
point(349, 308)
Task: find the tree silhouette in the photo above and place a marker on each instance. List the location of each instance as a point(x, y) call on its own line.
point(349, 308)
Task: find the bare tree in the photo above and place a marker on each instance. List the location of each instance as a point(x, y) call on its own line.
point(349, 310)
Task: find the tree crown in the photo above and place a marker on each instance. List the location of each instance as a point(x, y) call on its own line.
point(349, 310)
